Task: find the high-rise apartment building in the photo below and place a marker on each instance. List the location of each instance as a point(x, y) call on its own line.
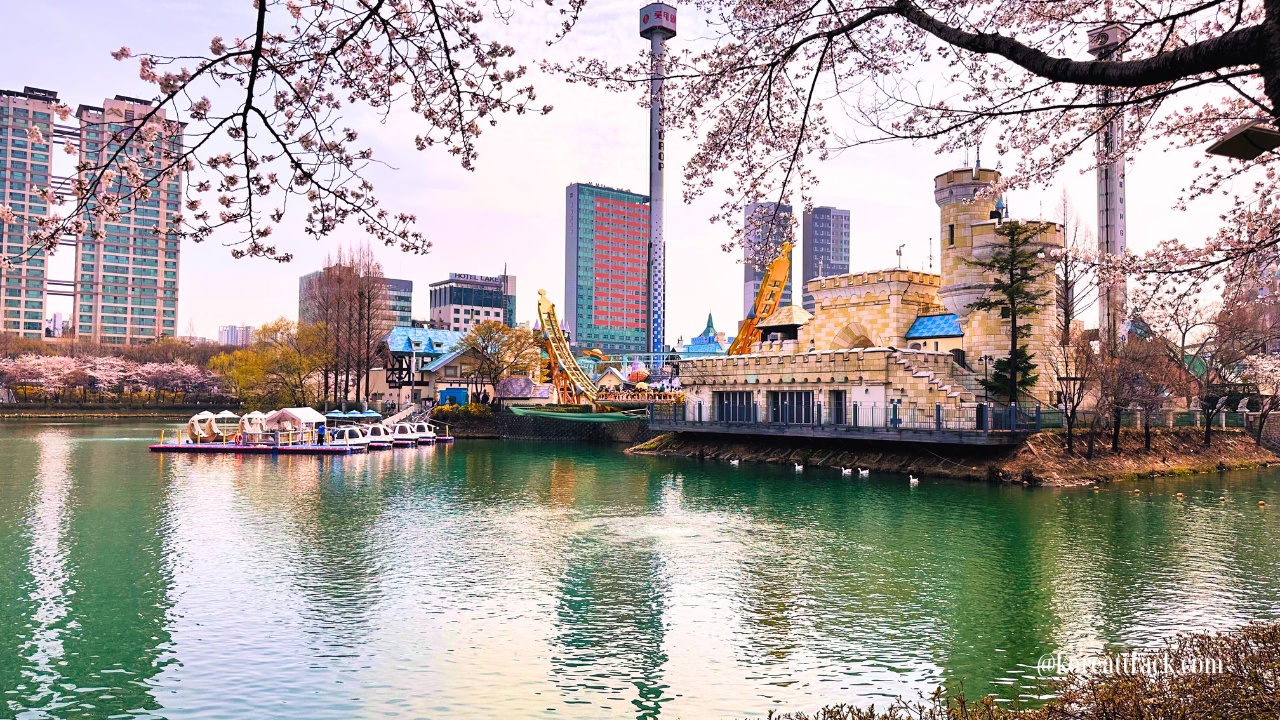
point(399, 307)
point(125, 284)
point(127, 281)
point(606, 275)
point(237, 335)
point(466, 300)
point(25, 165)
point(766, 226)
point(825, 247)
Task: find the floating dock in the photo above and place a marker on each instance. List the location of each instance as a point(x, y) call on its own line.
point(219, 448)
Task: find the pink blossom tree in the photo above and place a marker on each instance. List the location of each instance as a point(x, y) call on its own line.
point(278, 137)
point(778, 85)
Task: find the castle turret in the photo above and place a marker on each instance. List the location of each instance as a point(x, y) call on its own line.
point(970, 218)
point(959, 196)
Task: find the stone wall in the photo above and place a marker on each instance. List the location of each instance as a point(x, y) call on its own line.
point(873, 376)
point(868, 309)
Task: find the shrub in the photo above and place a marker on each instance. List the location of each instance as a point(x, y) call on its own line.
point(471, 412)
point(1248, 686)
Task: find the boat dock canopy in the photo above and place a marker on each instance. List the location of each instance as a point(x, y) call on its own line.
point(296, 416)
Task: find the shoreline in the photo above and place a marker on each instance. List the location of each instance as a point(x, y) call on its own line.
point(104, 414)
point(1042, 460)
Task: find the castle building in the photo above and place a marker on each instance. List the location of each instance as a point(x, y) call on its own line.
point(887, 338)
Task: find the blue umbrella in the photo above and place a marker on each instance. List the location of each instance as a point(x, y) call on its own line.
point(354, 414)
point(371, 414)
point(335, 414)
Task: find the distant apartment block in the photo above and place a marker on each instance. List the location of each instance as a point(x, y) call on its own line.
point(237, 335)
point(126, 284)
point(765, 226)
point(466, 300)
point(399, 299)
point(825, 247)
point(26, 167)
point(606, 277)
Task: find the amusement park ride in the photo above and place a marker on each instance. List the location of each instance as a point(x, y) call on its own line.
point(573, 385)
point(767, 300)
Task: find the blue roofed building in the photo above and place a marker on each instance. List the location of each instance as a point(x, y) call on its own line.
point(419, 363)
point(941, 332)
point(709, 342)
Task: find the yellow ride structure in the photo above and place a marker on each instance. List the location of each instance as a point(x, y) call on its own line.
point(572, 384)
point(767, 300)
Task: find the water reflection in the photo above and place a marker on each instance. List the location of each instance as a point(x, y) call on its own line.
point(494, 580)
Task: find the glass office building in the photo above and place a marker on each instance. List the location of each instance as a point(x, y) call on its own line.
point(466, 300)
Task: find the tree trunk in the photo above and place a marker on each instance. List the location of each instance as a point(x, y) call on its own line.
point(1208, 427)
point(1262, 422)
point(1093, 433)
point(1116, 419)
point(1146, 431)
point(1071, 425)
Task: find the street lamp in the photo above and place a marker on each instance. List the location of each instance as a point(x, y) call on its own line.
point(985, 392)
point(414, 346)
point(1246, 142)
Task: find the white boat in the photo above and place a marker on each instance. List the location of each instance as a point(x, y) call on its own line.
point(404, 435)
point(379, 435)
point(350, 436)
point(426, 436)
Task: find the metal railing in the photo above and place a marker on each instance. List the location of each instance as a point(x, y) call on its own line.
point(855, 416)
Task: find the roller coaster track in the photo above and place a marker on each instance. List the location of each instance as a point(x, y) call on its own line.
point(571, 382)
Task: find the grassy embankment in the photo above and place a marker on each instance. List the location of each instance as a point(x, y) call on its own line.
point(1043, 459)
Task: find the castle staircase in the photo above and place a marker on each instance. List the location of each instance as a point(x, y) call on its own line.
point(951, 386)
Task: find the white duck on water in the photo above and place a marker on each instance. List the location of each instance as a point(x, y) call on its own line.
point(914, 480)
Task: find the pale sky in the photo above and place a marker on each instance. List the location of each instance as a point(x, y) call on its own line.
point(511, 210)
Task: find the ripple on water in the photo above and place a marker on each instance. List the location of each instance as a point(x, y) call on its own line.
point(521, 580)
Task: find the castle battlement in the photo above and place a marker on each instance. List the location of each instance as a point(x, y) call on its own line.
point(874, 277)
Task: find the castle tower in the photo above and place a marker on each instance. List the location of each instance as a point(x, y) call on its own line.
point(969, 223)
point(957, 195)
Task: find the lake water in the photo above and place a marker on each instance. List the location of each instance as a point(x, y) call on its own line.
point(519, 580)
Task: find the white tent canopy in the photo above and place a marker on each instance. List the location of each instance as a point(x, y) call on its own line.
point(202, 415)
point(295, 417)
point(227, 415)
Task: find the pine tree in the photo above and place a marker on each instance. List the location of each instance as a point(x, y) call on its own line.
point(1013, 270)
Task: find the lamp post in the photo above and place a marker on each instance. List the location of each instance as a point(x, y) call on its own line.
point(414, 346)
point(985, 392)
point(1246, 141)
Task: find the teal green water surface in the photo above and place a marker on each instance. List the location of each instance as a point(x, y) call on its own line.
point(519, 580)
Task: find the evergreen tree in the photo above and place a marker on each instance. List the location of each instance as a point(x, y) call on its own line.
point(1015, 266)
